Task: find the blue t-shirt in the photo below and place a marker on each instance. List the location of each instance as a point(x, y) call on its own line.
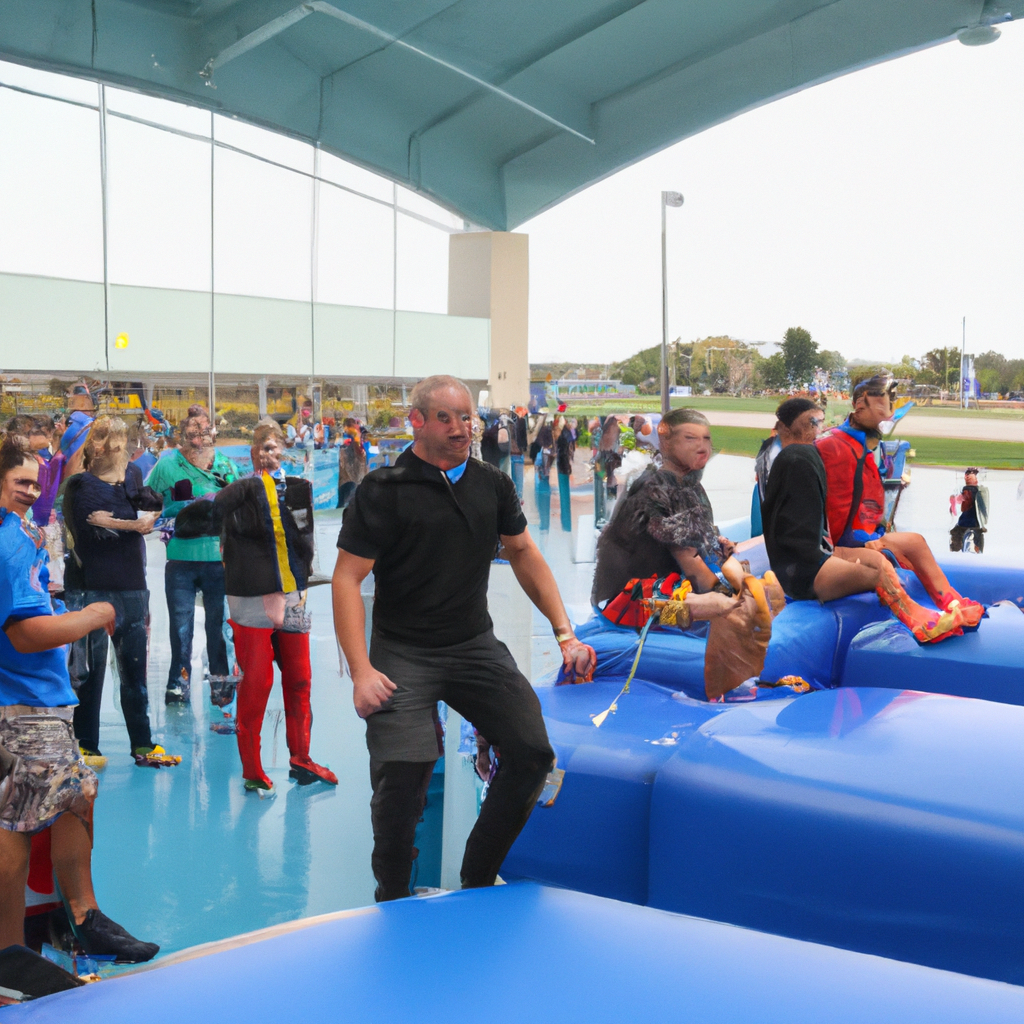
point(41, 679)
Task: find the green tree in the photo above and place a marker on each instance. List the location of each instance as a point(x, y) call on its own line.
point(831, 361)
point(639, 368)
point(988, 378)
point(773, 371)
point(800, 352)
point(940, 366)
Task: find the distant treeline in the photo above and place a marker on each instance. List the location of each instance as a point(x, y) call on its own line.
point(726, 365)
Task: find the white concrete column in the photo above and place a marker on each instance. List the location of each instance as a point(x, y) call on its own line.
point(489, 276)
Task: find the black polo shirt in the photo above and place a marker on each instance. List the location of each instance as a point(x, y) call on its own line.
point(432, 543)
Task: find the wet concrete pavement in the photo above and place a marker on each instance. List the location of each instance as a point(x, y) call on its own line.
point(185, 855)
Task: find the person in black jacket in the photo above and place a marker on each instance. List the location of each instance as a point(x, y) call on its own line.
point(801, 553)
point(266, 526)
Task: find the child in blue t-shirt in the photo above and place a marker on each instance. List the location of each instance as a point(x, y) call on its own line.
point(44, 782)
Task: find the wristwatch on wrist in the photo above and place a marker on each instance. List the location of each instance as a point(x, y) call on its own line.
point(567, 634)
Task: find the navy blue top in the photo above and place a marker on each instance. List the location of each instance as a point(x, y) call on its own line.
point(111, 559)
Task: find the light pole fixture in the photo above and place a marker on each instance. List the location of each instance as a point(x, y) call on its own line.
point(667, 199)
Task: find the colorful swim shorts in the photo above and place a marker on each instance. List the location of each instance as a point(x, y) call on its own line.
point(47, 774)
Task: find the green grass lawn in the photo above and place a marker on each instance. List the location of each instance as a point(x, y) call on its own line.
point(929, 451)
point(652, 403)
point(725, 403)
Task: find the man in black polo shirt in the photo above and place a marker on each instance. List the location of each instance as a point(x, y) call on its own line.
point(429, 528)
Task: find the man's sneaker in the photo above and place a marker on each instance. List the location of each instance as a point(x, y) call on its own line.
point(263, 786)
point(100, 936)
point(306, 771)
point(93, 758)
point(155, 757)
point(178, 692)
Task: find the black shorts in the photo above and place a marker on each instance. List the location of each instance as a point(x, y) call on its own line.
point(797, 578)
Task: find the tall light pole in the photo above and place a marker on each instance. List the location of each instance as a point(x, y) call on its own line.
point(963, 353)
point(667, 199)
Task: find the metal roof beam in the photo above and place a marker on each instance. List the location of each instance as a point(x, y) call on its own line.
point(280, 24)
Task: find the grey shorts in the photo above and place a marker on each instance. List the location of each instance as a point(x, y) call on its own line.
point(478, 678)
point(47, 774)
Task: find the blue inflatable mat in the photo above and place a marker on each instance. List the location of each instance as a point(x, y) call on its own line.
point(526, 953)
point(811, 640)
point(595, 835)
point(670, 658)
point(884, 821)
point(976, 577)
point(987, 663)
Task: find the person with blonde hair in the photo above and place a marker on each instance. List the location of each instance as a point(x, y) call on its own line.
point(265, 522)
point(106, 562)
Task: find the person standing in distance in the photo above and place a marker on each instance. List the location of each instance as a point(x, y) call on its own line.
point(429, 528)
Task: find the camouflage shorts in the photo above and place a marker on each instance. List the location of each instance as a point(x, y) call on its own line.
point(47, 774)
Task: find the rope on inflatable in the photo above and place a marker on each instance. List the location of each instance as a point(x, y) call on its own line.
point(598, 720)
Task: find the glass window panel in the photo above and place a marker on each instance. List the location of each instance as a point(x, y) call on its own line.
point(264, 143)
point(343, 173)
point(62, 86)
point(262, 229)
point(422, 266)
point(158, 212)
point(174, 115)
point(413, 201)
point(50, 211)
point(355, 263)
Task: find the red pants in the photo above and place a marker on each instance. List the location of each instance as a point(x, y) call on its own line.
point(257, 650)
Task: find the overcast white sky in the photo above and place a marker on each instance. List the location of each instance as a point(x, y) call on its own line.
point(875, 210)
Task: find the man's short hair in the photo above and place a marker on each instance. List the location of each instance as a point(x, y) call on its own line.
point(971, 471)
point(677, 417)
point(264, 429)
point(787, 413)
point(425, 389)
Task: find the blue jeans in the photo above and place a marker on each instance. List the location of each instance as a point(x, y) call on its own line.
point(517, 474)
point(182, 581)
point(87, 665)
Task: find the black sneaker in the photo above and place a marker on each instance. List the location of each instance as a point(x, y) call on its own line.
point(177, 694)
point(100, 936)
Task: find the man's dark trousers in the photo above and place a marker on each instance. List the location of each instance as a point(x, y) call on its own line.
point(479, 680)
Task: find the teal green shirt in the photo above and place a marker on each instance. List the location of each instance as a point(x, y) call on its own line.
point(162, 478)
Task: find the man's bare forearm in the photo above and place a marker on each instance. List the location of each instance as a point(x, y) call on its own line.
point(535, 577)
point(350, 621)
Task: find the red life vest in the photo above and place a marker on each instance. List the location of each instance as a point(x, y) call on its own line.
point(629, 608)
point(841, 454)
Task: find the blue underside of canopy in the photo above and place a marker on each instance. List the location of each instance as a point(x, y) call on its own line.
point(497, 110)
